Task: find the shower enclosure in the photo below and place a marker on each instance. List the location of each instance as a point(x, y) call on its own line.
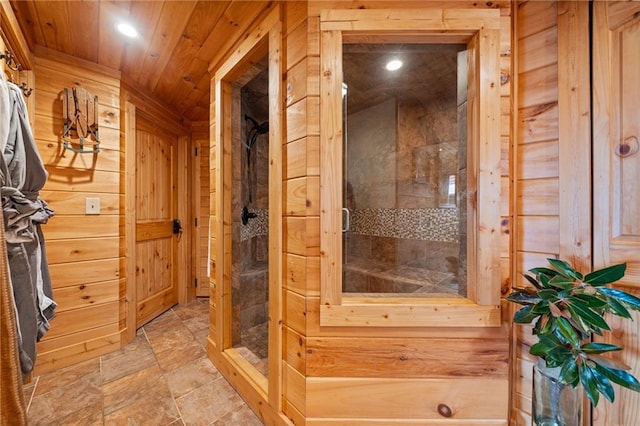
point(404, 170)
point(250, 228)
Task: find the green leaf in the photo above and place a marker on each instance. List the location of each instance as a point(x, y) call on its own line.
point(618, 308)
point(541, 308)
point(589, 383)
point(540, 349)
point(568, 332)
point(564, 268)
point(606, 275)
point(524, 315)
point(533, 281)
point(598, 348)
point(544, 271)
point(544, 280)
point(558, 355)
point(628, 300)
point(548, 294)
point(592, 301)
point(581, 324)
point(561, 282)
point(569, 372)
point(620, 377)
point(523, 297)
point(548, 326)
point(608, 362)
point(588, 315)
point(603, 385)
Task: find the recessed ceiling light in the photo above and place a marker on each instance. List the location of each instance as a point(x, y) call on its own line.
point(394, 64)
point(127, 29)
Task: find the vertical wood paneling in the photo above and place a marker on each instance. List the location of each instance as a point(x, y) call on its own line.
point(616, 128)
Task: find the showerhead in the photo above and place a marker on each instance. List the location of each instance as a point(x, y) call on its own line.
point(262, 128)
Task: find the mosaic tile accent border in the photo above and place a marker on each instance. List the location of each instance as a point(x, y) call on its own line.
point(257, 226)
point(430, 224)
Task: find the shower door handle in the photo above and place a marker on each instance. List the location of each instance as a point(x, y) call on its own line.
point(346, 220)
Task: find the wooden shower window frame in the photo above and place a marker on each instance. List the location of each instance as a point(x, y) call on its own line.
point(480, 31)
point(264, 39)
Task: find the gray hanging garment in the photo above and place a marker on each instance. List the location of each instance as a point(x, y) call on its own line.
point(23, 175)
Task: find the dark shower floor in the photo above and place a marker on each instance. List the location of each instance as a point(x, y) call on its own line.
point(254, 346)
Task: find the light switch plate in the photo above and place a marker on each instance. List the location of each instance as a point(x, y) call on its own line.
point(92, 205)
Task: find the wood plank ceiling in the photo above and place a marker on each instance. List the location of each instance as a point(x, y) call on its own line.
point(168, 61)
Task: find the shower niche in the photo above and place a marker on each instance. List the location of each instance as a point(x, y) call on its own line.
point(250, 216)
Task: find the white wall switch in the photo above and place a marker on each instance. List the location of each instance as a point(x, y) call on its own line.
point(92, 205)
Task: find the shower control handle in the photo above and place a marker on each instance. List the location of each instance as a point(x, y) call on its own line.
point(346, 219)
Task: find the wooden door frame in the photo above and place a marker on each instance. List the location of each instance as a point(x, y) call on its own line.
point(183, 274)
point(267, 33)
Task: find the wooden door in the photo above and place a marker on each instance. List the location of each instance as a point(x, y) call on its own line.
point(616, 162)
point(156, 244)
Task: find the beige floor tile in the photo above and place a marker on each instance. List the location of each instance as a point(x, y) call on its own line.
point(173, 358)
point(62, 401)
point(209, 403)
point(89, 416)
point(176, 337)
point(128, 389)
point(61, 378)
point(191, 376)
point(152, 408)
point(129, 363)
point(163, 322)
point(191, 310)
point(201, 322)
point(162, 378)
point(241, 416)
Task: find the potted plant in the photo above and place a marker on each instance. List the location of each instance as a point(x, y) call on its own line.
point(566, 309)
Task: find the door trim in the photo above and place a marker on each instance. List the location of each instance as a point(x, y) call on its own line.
point(183, 272)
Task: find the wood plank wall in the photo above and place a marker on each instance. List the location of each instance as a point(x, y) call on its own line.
point(536, 154)
point(85, 252)
point(200, 141)
point(364, 375)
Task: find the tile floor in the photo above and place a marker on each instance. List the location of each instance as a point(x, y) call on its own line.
point(161, 378)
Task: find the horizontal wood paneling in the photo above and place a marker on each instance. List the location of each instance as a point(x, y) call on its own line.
point(81, 319)
point(83, 295)
point(538, 160)
point(80, 273)
point(299, 118)
point(76, 250)
point(302, 274)
point(538, 123)
point(74, 203)
point(85, 252)
point(406, 399)
point(415, 358)
point(541, 86)
point(294, 350)
point(90, 226)
point(537, 196)
point(538, 50)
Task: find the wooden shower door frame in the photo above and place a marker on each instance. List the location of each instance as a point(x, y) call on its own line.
point(266, 38)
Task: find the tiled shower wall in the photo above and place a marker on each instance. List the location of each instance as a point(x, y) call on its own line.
point(400, 212)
